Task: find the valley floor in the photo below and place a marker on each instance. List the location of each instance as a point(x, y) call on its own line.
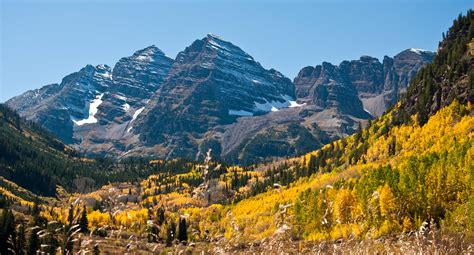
point(404, 190)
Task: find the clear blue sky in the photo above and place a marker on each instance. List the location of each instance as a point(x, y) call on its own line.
point(42, 41)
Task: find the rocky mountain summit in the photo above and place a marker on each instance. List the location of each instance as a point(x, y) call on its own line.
point(211, 83)
point(360, 85)
point(135, 79)
point(73, 102)
point(214, 95)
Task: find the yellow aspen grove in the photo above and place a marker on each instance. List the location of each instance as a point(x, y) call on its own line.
point(388, 203)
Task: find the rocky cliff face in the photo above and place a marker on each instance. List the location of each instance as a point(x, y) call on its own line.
point(328, 87)
point(95, 99)
point(363, 85)
point(59, 107)
point(212, 82)
point(135, 80)
point(214, 95)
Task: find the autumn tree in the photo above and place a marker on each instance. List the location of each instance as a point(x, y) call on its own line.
point(343, 205)
point(387, 200)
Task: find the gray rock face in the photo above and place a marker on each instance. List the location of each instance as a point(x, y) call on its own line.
point(328, 86)
point(212, 82)
point(135, 80)
point(214, 95)
point(91, 100)
point(58, 107)
point(377, 85)
point(366, 74)
point(290, 131)
point(406, 65)
point(140, 75)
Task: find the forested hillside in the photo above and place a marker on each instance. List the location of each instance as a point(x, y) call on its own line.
point(404, 184)
point(449, 77)
point(397, 173)
point(31, 157)
point(408, 175)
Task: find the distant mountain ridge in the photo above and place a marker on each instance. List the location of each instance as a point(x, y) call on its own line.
point(377, 85)
point(214, 95)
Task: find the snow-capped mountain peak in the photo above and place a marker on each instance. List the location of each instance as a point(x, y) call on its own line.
point(417, 50)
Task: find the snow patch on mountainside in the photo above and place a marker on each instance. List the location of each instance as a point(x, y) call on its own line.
point(292, 103)
point(106, 75)
point(240, 113)
point(367, 111)
point(295, 104)
point(93, 108)
point(417, 51)
point(268, 106)
point(121, 97)
point(145, 58)
point(274, 106)
point(125, 107)
point(134, 117)
point(146, 55)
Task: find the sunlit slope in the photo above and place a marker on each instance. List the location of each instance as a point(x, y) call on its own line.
point(409, 174)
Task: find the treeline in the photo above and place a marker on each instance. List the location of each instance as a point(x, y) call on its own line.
point(436, 86)
point(417, 163)
point(32, 158)
point(449, 76)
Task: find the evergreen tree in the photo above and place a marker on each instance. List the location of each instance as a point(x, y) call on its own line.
point(312, 165)
point(21, 240)
point(70, 216)
point(68, 235)
point(358, 134)
point(170, 234)
point(153, 232)
point(7, 232)
point(83, 223)
point(182, 231)
point(36, 213)
point(160, 216)
point(392, 147)
point(33, 241)
point(49, 242)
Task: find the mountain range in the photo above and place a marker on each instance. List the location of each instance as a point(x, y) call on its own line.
point(215, 95)
point(402, 184)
